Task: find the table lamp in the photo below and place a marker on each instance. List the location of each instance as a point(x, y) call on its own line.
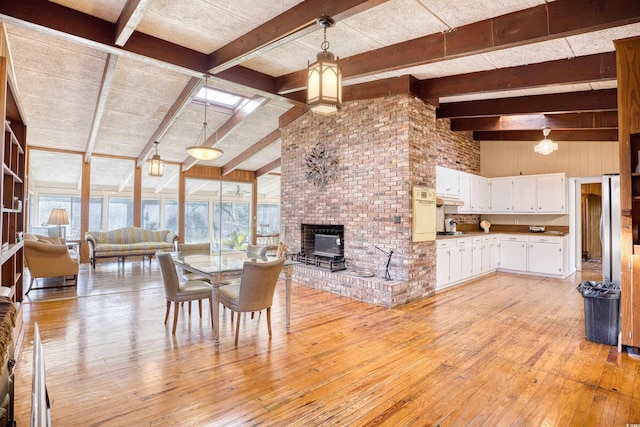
point(59, 217)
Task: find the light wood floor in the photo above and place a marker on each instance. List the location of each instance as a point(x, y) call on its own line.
point(503, 350)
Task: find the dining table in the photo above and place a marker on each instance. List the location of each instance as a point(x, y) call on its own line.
point(217, 265)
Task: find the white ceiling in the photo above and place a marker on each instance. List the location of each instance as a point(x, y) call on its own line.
point(60, 77)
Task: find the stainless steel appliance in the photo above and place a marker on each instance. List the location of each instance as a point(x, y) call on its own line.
point(610, 228)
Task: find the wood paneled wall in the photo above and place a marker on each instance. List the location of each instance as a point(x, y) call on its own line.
point(575, 158)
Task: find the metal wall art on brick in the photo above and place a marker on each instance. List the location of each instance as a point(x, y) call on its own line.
point(321, 165)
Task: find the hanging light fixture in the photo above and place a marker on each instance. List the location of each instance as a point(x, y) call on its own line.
point(201, 151)
point(546, 146)
point(324, 86)
point(156, 165)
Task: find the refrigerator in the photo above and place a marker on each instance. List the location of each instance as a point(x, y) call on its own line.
point(610, 229)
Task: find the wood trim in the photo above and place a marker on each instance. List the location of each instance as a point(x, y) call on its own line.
point(557, 135)
point(183, 100)
point(268, 167)
point(137, 197)
point(85, 199)
point(581, 69)
point(251, 151)
point(549, 21)
point(294, 23)
point(628, 63)
point(593, 100)
point(131, 15)
point(566, 121)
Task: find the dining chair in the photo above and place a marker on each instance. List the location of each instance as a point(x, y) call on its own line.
point(255, 290)
point(253, 252)
point(177, 291)
point(194, 249)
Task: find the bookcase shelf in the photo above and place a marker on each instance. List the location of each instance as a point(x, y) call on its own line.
point(13, 185)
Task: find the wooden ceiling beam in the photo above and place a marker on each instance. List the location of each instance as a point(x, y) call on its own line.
point(229, 126)
point(563, 121)
point(555, 135)
point(290, 25)
point(590, 100)
point(268, 168)
point(129, 18)
point(581, 69)
point(183, 100)
point(59, 21)
point(560, 18)
point(101, 102)
point(251, 151)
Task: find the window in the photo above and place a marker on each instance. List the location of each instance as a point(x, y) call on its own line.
point(151, 215)
point(268, 217)
point(196, 227)
point(233, 224)
point(120, 213)
point(171, 215)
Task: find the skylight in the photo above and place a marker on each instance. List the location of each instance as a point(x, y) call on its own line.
point(218, 97)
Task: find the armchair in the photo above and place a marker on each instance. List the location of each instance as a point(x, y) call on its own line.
point(48, 257)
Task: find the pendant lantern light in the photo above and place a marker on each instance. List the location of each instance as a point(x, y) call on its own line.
point(324, 86)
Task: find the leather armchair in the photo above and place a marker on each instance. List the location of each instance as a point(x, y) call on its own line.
point(47, 257)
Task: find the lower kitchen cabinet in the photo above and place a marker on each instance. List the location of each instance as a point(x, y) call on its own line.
point(513, 252)
point(466, 257)
point(476, 262)
point(458, 260)
point(546, 255)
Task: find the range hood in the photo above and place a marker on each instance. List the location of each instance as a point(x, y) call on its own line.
point(448, 201)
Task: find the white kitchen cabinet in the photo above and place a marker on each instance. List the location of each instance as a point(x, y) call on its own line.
point(442, 264)
point(525, 194)
point(455, 264)
point(552, 193)
point(529, 194)
point(479, 197)
point(490, 253)
point(513, 252)
point(447, 182)
point(466, 257)
point(494, 253)
point(464, 182)
point(545, 255)
point(476, 264)
point(501, 195)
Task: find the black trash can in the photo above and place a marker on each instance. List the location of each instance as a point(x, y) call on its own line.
point(601, 311)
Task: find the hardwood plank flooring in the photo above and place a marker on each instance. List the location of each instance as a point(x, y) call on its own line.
point(501, 350)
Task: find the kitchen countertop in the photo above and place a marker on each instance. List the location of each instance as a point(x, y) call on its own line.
point(481, 233)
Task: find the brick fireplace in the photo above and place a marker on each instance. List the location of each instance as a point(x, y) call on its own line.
point(384, 146)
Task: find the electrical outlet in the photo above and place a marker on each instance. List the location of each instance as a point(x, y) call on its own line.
point(396, 219)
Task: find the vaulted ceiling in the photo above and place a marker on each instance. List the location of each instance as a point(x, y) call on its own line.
point(110, 77)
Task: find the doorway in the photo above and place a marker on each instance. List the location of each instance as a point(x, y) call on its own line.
point(586, 223)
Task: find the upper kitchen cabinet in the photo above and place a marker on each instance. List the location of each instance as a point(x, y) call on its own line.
point(501, 193)
point(474, 193)
point(552, 193)
point(525, 194)
point(531, 194)
point(447, 182)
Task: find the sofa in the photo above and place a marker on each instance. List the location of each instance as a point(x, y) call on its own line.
point(49, 257)
point(129, 241)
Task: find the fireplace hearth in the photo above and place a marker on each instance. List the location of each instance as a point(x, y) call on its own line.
point(322, 245)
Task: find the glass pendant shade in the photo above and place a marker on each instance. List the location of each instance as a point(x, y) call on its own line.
point(546, 146)
point(201, 152)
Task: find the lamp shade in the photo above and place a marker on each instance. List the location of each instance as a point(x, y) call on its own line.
point(324, 87)
point(545, 147)
point(156, 166)
point(201, 152)
point(58, 216)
